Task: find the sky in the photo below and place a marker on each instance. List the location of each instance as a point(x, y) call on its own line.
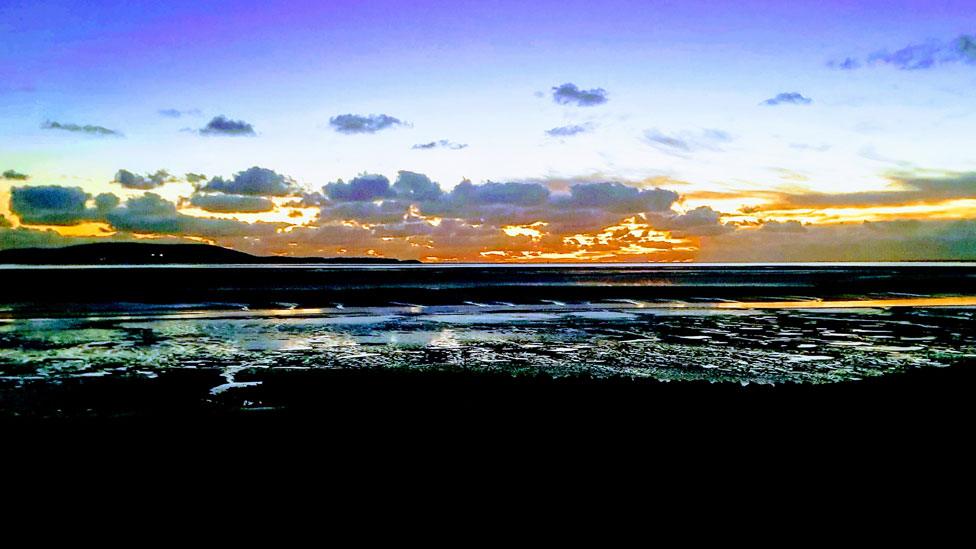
point(633, 131)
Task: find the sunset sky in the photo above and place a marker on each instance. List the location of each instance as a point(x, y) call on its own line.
point(748, 130)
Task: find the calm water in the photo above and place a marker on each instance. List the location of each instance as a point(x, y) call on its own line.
point(741, 324)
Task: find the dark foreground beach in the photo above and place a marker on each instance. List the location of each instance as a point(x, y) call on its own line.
point(869, 345)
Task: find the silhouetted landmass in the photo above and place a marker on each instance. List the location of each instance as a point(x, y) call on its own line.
point(136, 253)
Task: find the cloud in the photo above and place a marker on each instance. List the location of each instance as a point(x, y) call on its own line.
point(13, 175)
point(4, 222)
point(175, 113)
point(56, 205)
point(617, 197)
point(221, 125)
point(231, 203)
point(412, 217)
point(195, 177)
point(416, 187)
point(868, 241)
point(130, 180)
point(655, 137)
point(905, 189)
point(570, 94)
point(442, 144)
point(680, 144)
point(148, 213)
point(921, 56)
point(510, 193)
point(366, 188)
point(28, 237)
point(75, 128)
point(152, 214)
point(365, 212)
point(355, 123)
point(253, 181)
point(787, 98)
point(911, 57)
point(791, 226)
point(566, 131)
point(702, 221)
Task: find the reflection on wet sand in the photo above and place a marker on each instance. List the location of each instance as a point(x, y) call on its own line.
point(745, 342)
point(241, 339)
point(958, 301)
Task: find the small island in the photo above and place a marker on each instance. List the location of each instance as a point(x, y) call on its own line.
point(138, 253)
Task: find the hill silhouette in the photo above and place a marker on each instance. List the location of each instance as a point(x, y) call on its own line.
point(138, 253)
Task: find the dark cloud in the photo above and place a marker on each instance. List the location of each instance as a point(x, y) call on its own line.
point(386, 212)
point(76, 128)
point(105, 203)
point(221, 125)
point(570, 94)
point(683, 143)
point(13, 175)
point(584, 207)
point(152, 214)
point(927, 55)
point(4, 222)
point(148, 213)
point(442, 144)
point(791, 226)
point(231, 203)
point(787, 98)
point(176, 113)
point(355, 123)
point(617, 197)
point(130, 180)
point(28, 237)
point(416, 187)
point(510, 193)
point(55, 205)
point(254, 181)
point(366, 187)
point(412, 217)
point(566, 131)
point(195, 177)
point(702, 221)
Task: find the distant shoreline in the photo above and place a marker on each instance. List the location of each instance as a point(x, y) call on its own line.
point(129, 254)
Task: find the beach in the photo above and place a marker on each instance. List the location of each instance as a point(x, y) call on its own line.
point(273, 341)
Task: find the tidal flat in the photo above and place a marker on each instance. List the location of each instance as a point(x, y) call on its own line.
point(283, 339)
point(231, 354)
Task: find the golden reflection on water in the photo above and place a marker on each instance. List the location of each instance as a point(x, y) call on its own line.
point(854, 303)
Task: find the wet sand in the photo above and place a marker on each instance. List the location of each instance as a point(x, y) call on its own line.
point(240, 361)
point(684, 339)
